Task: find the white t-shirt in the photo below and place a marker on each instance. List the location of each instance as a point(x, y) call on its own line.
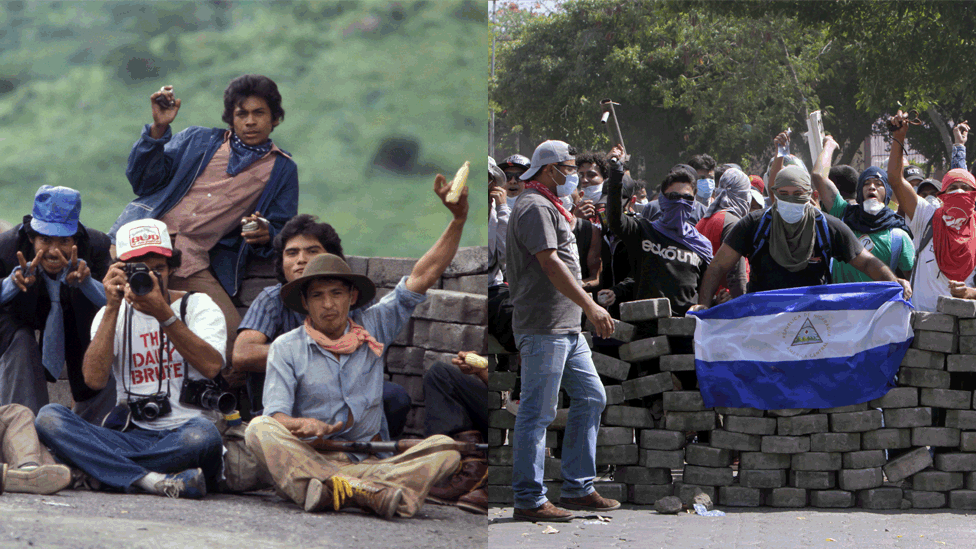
point(203, 318)
point(929, 282)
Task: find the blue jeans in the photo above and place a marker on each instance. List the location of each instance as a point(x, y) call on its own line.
point(547, 362)
point(119, 459)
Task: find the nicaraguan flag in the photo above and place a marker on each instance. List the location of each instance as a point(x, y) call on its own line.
point(812, 347)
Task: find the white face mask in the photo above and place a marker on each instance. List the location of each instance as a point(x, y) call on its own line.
point(956, 191)
point(510, 200)
point(934, 200)
point(790, 212)
point(593, 192)
point(567, 202)
point(641, 203)
point(568, 186)
point(872, 206)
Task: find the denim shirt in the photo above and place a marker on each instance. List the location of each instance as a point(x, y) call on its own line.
point(303, 380)
point(958, 157)
point(161, 172)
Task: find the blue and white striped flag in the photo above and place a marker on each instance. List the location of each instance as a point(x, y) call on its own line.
point(812, 347)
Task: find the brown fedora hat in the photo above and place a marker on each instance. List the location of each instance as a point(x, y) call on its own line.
point(326, 266)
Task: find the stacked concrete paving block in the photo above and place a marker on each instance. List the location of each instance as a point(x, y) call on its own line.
point(915, 447)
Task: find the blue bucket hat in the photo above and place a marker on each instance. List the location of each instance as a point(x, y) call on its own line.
point(56, 211)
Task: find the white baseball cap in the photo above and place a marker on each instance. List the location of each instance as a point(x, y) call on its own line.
point(548, 152)
point(142, 237)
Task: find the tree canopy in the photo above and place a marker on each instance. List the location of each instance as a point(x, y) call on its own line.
point(725, 77)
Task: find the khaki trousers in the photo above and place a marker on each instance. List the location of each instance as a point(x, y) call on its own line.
point(18, 439)
point(292, 463)
point(205, 283)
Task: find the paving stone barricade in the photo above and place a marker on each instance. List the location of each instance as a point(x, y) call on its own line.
point(913, 448)
point(454, 318)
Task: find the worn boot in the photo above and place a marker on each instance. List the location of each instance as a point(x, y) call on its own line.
point(470, 475)
point(339, 492)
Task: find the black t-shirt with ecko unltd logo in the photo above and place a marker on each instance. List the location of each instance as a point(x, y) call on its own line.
point(660, 266)
point(767, 274)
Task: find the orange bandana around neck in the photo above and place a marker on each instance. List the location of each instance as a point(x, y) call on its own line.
point(348, 343)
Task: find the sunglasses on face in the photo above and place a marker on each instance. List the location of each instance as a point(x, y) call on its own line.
point(679, 196)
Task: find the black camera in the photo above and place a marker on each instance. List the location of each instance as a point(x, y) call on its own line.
point(150, 407)
point(208, 394)
point(138, 277)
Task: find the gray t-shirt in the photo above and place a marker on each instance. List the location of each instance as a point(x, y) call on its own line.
point(536, 225)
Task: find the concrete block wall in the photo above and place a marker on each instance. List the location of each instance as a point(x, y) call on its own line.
point(454, 318)
point(913, 448)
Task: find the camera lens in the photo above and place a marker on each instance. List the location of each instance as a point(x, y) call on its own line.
point(150, 411)
point(225, 403)
point(141, 283)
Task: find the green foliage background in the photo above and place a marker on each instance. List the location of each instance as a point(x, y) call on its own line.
point(75, 78)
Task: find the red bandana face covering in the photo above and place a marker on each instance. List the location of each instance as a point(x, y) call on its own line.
point(552, 198)
point(953, 232)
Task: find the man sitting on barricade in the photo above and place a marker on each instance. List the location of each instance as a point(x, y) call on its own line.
point(301, 239)
point(324, 384)
point(164, 348)
point(52, 267)
point(201, 182)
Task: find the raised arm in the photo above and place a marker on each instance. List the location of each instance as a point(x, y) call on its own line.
point(907, 199)
point(431, 266)
point(819, 176)
point(782, 139)
point(621, 225)
point(97, 363)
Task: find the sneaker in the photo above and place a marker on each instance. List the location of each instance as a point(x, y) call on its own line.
point(43, 479)
point(592, 502)
point(187, 484)
point(547, 512)
point(340, 492)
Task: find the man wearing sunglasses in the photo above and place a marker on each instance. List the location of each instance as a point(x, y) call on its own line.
point(668, 254)
point(548, 299)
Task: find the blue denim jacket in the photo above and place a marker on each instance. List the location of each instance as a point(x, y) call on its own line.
point(958, 157)
point(161, 172)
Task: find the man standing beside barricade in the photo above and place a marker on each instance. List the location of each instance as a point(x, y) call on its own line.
point(52, 267)
point(944, 234)
point(548, 299)
point(164, 347)
point(203, 182)
point(325, 381)
point(880, 230)
point(790, 244)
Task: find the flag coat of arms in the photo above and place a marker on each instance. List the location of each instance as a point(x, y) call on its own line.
point(811, 347)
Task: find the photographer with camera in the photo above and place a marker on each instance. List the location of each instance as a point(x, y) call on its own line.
point(163, 347)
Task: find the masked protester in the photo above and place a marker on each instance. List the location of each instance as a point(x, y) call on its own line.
point(669, 255)
point(790, 244)
point(733, 199)
point(880, 230)
point(548, 299)
point(946, 260)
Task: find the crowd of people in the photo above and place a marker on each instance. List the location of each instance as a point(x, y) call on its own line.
point(142, 322)
point(574, 236)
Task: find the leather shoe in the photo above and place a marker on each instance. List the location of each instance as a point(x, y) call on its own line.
point(475, 501)
point(592, 502)
point(547, 512)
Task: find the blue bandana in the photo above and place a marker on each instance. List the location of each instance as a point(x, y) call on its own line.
point(242, 155)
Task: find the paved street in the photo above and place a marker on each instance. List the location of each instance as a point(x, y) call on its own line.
point(82, 519)
point(753, 528)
